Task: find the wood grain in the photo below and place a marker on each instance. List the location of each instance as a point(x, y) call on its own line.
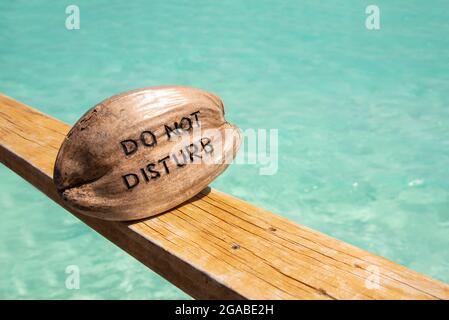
point(216, 246)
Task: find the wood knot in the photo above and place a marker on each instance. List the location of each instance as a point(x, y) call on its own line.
point(235, 247)
point(322, 291)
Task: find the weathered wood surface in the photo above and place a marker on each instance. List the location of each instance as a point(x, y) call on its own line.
point(217, 246)
point(144, 151)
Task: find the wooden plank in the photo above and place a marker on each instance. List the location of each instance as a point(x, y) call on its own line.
point(216, 246)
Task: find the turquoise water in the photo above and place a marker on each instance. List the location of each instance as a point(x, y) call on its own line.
point(363, 119)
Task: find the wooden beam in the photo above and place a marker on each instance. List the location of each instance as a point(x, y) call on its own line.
point(216, 246)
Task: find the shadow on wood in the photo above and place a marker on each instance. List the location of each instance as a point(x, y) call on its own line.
point(216, 246)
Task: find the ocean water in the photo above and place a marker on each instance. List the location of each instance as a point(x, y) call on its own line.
point(362, 118)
